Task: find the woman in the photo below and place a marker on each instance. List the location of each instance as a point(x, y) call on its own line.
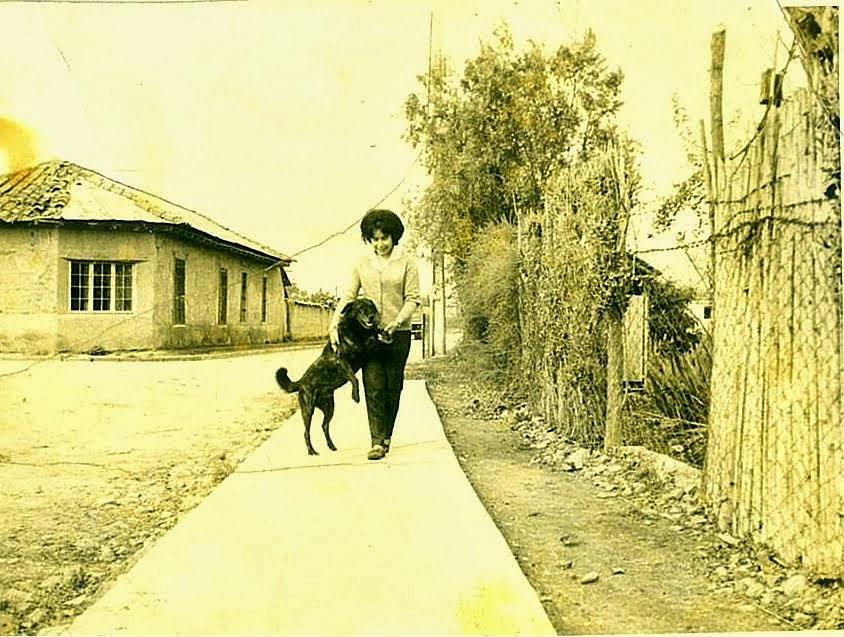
point(390, 278)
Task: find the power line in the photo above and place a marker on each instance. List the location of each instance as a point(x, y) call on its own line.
point(353, 223)
point(358, 220)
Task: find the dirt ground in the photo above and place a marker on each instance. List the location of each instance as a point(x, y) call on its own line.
point(610, 544)
point(98, 459)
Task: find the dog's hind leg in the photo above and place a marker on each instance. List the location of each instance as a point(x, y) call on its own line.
point(307, 408)
point(327, 414)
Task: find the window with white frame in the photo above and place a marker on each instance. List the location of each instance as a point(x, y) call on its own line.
point(100, 286)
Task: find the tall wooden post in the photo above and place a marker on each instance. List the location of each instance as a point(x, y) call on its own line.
point(711, 195)
point(442, 301)
point(429, 331)
point(615, 338)
point(719, 452)
point(716, 83)
point(433, 298)
point(615, 363)
point(714, 177)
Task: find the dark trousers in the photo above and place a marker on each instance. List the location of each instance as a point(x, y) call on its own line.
point(383, 378)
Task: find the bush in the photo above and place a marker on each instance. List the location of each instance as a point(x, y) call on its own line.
point(572, 280)
point(679, 383)
point(487, 286)
point(672, 328)
point(671, 417)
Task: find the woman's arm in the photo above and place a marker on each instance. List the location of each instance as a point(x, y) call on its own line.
point(412, 298)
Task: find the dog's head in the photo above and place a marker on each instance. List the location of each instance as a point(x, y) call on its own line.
point(363, 312)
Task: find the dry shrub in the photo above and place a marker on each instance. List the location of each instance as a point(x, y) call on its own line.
point(564, 293)
point(487, 287)
point(671, 416)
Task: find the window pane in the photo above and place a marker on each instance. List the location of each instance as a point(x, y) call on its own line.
point(222, 310)
point(78, 286)
point(179, 292)
point(242, 297)
point(102, 287)
point(123, 287)
point(264, 300)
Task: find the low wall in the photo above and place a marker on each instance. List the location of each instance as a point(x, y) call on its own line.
point(308, 320)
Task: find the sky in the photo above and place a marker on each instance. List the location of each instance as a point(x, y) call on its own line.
point(283, 120)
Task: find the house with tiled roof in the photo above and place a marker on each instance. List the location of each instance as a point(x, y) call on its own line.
point(90, 263)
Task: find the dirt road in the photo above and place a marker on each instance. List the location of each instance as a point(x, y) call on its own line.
point(99, 458)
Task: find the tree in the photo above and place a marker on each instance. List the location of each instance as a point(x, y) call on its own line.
point(320, 297)
point(489, 293)
point(491, 140)
point(689, 193)
point(816, 33)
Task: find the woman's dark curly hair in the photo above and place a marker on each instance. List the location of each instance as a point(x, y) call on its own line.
point(386, 221)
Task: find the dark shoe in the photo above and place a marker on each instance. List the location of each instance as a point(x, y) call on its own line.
point(386, 445)
point(376, 453)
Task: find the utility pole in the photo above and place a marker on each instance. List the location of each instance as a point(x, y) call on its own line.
point(430, 46)
point(434, 258)
point(442, 299)
point(433, 301)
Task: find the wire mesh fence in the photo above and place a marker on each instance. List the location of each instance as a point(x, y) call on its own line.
point(754, 394)
point(774, 458)
point(751, 392)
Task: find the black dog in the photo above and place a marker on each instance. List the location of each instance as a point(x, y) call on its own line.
point(359, 334)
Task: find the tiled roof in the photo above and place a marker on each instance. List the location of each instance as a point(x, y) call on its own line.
point(64, 191)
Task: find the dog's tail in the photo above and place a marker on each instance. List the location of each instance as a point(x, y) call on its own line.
point(284, 381)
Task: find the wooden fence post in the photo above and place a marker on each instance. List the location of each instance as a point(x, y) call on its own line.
point(615, 332)
point(615, 362)
point(716, 83)
point(711, 196)
point(714, 478)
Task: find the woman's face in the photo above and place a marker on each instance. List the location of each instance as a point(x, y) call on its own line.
point(381, 243)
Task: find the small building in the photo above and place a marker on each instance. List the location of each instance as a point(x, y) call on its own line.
point(701, 309)
point(89, 263)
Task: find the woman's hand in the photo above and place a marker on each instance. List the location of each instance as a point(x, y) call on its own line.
point(391, 327)
point(334, 338)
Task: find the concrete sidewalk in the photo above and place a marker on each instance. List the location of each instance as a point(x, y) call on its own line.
point(331, 544)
